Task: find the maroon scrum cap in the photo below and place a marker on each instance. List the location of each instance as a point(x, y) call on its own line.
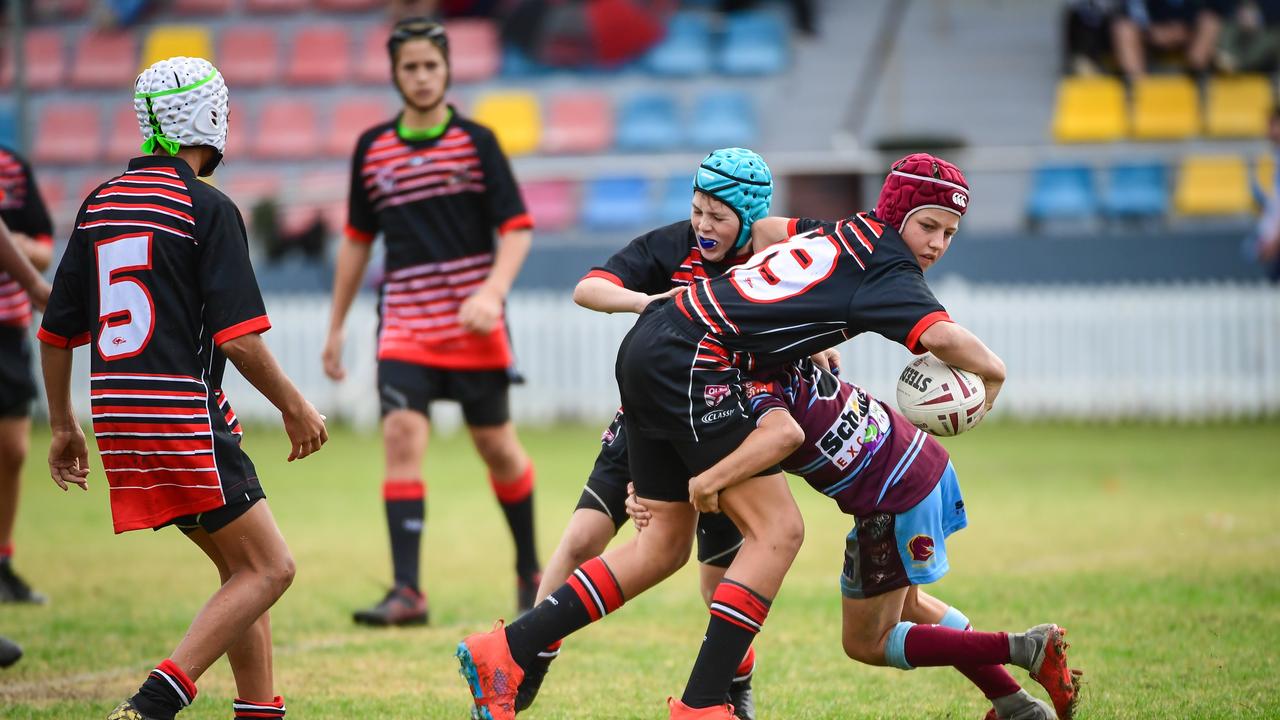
point(920, 181)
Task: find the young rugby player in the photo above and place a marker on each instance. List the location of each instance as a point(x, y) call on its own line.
point(437, 187)
point(23, 211)
point(726, 202)
point(680, 373)
point(156, 279)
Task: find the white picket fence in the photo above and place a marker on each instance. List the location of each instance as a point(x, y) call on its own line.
point(1181, 352)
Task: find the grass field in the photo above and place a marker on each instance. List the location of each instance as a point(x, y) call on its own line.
point(1157, 546)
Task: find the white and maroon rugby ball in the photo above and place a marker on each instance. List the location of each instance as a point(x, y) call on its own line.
point(940, 399)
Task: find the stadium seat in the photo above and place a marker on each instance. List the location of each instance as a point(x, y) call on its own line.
point(1165, 107)
point(248, 188)
point(1089, 109)
point(276, 6)
point(475, 52)
point(551, 203)
point(240, 128)
point(1136, 190)
point(248, 56)
point(53, 190)
point(46, 63)
point(686, 49)
point(372, 64)
point(105, 60)
point(319, 56)
point(647, 122)
point(578, 123)
point(124, 140)
point(755, 43)
point(59, 10)
point(350, 5)
point(617, 202)
point(68, 134)
point(166, 41)
point(1213, 185)
point(724, 119)
point(286, 129)
point(513, 117)
point(677, 196)
point(8, 126)
point(1238, 106)
point(203, 7)
point(1062, 192)
point(515, 64)
point(1264, 172)
point(352, 117)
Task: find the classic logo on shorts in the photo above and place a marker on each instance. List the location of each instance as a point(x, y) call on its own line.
point(715, 394)
point(921, 548)
point(717, 415)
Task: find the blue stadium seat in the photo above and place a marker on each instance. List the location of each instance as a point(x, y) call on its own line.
point(1136, 190)
point(686, 49)
point(755, 44)
point(8, 127)
point(1062, 192)
point(648, 121)
point(676, 197)
point(516, 64)
point(616, 202)
point(724, 119)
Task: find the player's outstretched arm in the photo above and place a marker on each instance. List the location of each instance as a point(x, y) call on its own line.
point(68, 453)
point(776, 436)
point(353, 258)
point(768, 231)
point(596, 293)
point(15, 259)
point(303, 424)
point(954, 345)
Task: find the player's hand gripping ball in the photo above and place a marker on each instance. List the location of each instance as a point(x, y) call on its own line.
point(940, 399)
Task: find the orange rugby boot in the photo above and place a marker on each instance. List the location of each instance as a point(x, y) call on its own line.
point(491, 673)
point(1049, 668)
point(680, 711)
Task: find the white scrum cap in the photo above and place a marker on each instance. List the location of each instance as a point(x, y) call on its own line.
point(181, 102)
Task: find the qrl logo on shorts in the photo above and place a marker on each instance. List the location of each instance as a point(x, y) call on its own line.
point(715, 394)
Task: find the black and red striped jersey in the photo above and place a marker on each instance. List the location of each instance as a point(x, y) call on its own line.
point(437, 204)
point(156, 276)
point(23, 211)
point(661, 259)
point(821, 287)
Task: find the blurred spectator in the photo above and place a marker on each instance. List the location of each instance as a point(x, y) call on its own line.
point(307, 241)
point(802, 12)
point(1264, 244)
point(1087, 31)
point(1190, 27)
point(1251, 43)
point(585, 33)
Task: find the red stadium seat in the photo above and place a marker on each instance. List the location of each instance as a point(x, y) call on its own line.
point(240, 128)
point(286, 130)
point(105, 60)
point(350, 5)
point(59, 10)
point(320, 56)
point(246, 189)
point(68, 134)
point(124, 140)
point(202, 7)
point(53, 190)
point(353, 117)
point(276, 6)
point(372, 64)
point(46, 63)
point(248, 56)
point(474, 48)
point(551, 202)
point(578, 123)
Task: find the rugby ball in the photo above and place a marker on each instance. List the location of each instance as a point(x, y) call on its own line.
point(940, 399)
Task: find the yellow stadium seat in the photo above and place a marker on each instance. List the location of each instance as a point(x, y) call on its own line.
point(1089, 109)
point(1213, 185)
point(1265, 172)
point(168, 41)
point(514, 117)
point(1239, 106)
point(1165, 107)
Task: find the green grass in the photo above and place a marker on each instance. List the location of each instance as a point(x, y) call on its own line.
point(1157, 546)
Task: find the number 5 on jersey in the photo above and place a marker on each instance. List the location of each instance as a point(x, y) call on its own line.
point(787, 269)
point(125, 309)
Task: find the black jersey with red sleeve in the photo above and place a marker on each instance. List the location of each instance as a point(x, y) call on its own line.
point(23, 211)
point(437, 203)
point(156, 276)
point(809, 293)
point(661, 259)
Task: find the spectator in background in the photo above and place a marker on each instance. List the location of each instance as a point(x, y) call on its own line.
point(1264, 244)
point(1191, 27)
point(1087, 40)
point(1251, 42)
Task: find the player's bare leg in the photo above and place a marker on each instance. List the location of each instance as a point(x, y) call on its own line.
point(586, 536)
point(772, 530)
point(404, 440)
point(14, 444)
point(511, 476)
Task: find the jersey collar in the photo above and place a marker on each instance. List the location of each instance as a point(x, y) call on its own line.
point(154, 161)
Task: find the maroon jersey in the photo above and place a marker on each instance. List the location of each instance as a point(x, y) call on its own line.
point(660, 260)
point(857, 450)
point(156, 276)
point(23, 211)
point(812, 292)
point(436, 203)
